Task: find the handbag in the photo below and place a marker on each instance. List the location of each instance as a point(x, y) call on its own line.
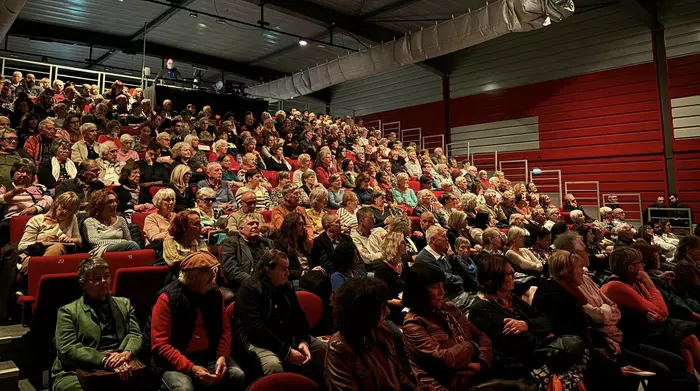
point(103, 380)
point(561, 353)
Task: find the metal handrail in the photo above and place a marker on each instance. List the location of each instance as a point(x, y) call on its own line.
point(500, 166)
point(558, 179)
point(597, 193)
point(603, 197)
point(449, 147)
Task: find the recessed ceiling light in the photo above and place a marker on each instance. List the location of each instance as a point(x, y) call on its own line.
point(202, 25)
point(193, 14)
point(303, 42)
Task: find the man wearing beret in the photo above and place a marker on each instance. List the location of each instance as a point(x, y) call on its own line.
point(190, 334)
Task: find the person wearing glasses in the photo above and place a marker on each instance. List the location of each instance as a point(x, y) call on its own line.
point(247, 203)
point(84, 184)
point(223, 196)
point(105, 230)
point(59, 168)
point(242, 249)
point(111, 167)
point(87, 148)
point(71, 125)
point(208, 214)
point(184, 238)
point(96, 332)
point(8, 153)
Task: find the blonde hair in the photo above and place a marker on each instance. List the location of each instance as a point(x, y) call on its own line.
point(163, 195)
point(126, 138)
point(205, 192)
point(489, 234)
point(514, 218)
point(390, 249)
point(561, 263)
point(176, 150)
point(515, 233)
point(457, 220)
point(400, 224)
point(68, 200)
point(317, 195)
point(177, 177)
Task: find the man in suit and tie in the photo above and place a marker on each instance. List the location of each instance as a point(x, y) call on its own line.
point(325, 243)
point(241, 251)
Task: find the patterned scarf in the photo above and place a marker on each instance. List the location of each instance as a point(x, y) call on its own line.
point(455, 328)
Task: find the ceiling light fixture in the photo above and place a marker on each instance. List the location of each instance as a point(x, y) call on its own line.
point(303, 42)
point(193, 14)
point(220, 21)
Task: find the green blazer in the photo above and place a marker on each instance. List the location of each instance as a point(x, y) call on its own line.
point(78, 335)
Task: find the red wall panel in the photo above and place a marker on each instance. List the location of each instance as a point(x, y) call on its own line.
point(683, 81)
point(429, 117)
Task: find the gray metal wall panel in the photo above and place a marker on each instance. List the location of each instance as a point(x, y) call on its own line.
point(686, 117)
point(519, 134)
point(587, 42)
point(404, 87)
point(681, 19)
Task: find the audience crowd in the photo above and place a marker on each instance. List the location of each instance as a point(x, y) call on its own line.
point(432, 275)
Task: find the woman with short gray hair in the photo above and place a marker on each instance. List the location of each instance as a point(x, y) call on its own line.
point(318, 199)
point(126, 151)
point(59, 168)
point(155, 227)
point(110, 167)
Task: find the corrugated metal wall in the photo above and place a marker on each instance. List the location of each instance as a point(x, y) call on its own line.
point(681, 20)
point(589, 41)
point(405, 87)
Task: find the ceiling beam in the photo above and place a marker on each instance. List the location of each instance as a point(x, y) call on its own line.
point(388, 8)
point(355, 25)
point(53, 33)
point(155, 22)
point(644, 10)
point(284, 50)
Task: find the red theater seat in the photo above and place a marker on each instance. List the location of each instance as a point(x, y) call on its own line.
point(140, 285)
point(17, 224)
point(312, 306)
point(294, 163)
point(566, 217)
point(229, 311)
point(287, 381)
point(154, 189)
point(415, 223)
point(40, 266)
point(54, 291)
point(267, 216)
point(438, 193)
point(414, 185)
point(127, 259)
point(271, 177)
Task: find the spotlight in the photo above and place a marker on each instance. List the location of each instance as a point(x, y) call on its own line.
point(193, 14)
point(303, 42)
point(220, 21)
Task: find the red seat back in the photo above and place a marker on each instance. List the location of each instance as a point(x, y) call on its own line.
point(17, 224)
point(140, 285)
point(294, 163)
point(154, 189)
point(229, 311)
point(140, 219)
point(312, 306)
point(126, 259)
point(54, 291)
point(415, 223)
point(271, 177)
point(287, 381)
point(438, 193)
point(40, 266)
point(267, 216)
point(415, 185)
point(566, 217)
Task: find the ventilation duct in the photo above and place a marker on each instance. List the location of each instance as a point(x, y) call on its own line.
point(9, 9)
point(494, 20)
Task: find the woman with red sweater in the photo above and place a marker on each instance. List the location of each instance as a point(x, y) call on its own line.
point(190, 332)
point(644, 312)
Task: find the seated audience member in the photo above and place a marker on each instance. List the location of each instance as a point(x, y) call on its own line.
point(59, 168)
point(645, 317)
point(491, 206)
point(679, 306)
point(347, 265)
point(156, 225)
point(218, 149)
point(404, 194)
point(247, 207)
point(268, 317)
point(492, 243)
point(571, 205)
point(224, 196)
point(523, 260)
point(553, 217)
point(325, 169)
point(508, 204)
point(253, 180)
point(182, 153)
point(612, 202)
point(597, 258)
point(335, 191)
point(276, 193)
point(39, 146)
point(686, 271)
point(209, 215)
point(190, 332)
point(362, 189)
point(428, 203)
point(393, 272)
point(277, 162)
point(325, 243)
point(462, 248)
point(363, 337)
point(668, 245)
point(153, 172)
point(54, 232)
point(660, 203)
point(241, 250)
point(448, 203)
point(96, 332)
point(104, 229)
point(290, 204)
point(379, 208)
point(110, 167)
point(24, 197)
point(436, 254)
point(228, 174)
point(349, 174)
point(130, 194)
point(9, 154)
point(318, 200)
point(445, 350)
point(199, 159)
point(619, 217)
point(361, 237)
point(515, 328)
point(468, 202)
point(126, 150)
point(293, 239)
point(180, 184)
point(545, 201)
point(625, 235)
point(184, 238)
point(347, 211)
point(456, 226)
point(577, 217)
point(517, 220)
point(84, 184)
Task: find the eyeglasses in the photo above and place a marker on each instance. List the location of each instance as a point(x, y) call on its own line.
point(10, 138)
point(248, 202)
point(208, 199)
point(100, 279)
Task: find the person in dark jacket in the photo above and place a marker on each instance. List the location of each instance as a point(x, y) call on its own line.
point(325, 243)
point(436, 255)
point(59, 168)
point(190, 332)
point(129, 193)
point(271, 323)
point(153, 172)
point(241, 250)
point(84, 184)
point(293, 239)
